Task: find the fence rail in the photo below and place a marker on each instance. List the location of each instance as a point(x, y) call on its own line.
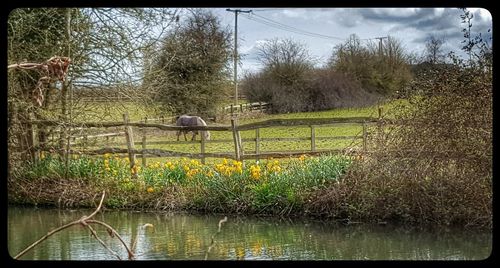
point(254, 106)
point(234, 128)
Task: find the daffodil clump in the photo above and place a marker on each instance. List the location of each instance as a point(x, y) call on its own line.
point(270, 184)
point(228, 169)
point(114, 166)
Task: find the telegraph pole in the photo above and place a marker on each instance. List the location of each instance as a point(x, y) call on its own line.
point(236, 11)
point(380, 44)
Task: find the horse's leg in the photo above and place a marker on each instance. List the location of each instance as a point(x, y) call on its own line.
point(194, 136)
point(185, 138)
point(178, 134)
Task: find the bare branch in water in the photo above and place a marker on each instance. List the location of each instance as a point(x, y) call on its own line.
point(134, 241)
point(212, 243)
point(102, 242)
point(84, 221)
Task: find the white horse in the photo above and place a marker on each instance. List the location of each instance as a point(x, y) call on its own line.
point(187, 120)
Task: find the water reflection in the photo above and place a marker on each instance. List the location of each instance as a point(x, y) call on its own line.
point(185, 236)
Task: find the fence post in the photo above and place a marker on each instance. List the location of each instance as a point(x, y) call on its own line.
point(257, 142)
point(241, 108)
point(260, 107)
point(232, 113)
point(202, 148)
point(380, 126)
point(33, 142)
point(144, 142)
point(313, 139)
point(129, 136)
point(85, 141)
point(237, 140)
point(364, 136)
point(240, 145)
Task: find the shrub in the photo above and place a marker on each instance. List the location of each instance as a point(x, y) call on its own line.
point(315, 90)
point(434, 166)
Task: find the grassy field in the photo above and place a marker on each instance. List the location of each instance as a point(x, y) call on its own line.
point(137, 112)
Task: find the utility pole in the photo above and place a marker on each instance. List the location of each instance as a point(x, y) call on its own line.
point(380, 44)
point(236, 11)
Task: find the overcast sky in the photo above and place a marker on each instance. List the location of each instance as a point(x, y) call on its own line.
point(321, 29)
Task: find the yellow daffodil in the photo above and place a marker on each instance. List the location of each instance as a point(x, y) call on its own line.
point(192, 172)
point(255, 171)
point(195, 163)
point(135, 169)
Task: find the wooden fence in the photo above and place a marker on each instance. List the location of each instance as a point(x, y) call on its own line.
point(237, 142)
point(254, 106)
point(231, 110)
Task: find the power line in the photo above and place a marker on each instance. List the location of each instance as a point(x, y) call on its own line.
point(268, 9)
point(288, 28)
point(284, 27)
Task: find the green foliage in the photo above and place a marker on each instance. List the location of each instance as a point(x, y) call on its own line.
point(191, 71)
point(50, 166)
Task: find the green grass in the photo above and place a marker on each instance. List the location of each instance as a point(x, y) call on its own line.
point(105, 111)
point(138, 112)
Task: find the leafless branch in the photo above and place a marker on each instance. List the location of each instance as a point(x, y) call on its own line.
point(84, 221)
point(212, 243)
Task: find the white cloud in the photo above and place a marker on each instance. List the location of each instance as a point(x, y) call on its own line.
point(397, 12)
point(481, 12)
point(295, 13)
point(409, 25)
point(438, 11)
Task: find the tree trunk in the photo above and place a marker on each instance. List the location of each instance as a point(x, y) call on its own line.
point(65, 89)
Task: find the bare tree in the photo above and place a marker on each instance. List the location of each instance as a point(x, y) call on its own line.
point(380, 67)
point(352, 58)
point(290, 82)
point(285, 59)
point(105, 46)
point(433, 49)
point(34, 36)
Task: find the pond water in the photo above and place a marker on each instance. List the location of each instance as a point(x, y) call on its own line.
point(181, 236)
